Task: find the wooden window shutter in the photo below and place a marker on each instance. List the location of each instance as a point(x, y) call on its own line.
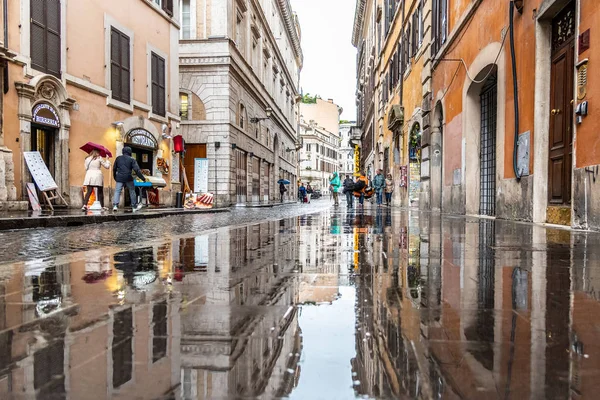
point(45, 36)
point(120, 68)
point(167, 6)
point(158, 84)
point(125, 68)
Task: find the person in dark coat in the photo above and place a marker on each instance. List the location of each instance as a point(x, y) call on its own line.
point(282, 190)
point(124, 166)
point(348, 188)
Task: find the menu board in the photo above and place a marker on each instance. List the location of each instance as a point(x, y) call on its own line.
point(39, 171)
point(175, 169)
point(200, 175)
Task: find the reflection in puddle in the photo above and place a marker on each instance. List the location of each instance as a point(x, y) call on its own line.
point(373, 303)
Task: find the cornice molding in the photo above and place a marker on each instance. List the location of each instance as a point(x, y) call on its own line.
point(359, 16)
point(290, 25)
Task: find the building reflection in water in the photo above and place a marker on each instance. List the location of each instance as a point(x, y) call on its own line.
point(199, 317)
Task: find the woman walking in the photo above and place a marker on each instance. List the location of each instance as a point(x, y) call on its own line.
point(389, 189)
point(94, 178)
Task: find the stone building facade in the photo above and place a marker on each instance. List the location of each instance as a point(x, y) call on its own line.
point(319, 132)
point(90, 72)
point(346, 149)
point(240, 63)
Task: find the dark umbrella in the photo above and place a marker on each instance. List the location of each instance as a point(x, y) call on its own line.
point(89, 146)
point(284, 181)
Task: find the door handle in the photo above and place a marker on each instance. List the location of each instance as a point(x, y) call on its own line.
point(555, 111)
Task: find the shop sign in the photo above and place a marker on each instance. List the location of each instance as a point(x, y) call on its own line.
point(201, 175)
point(45, 114)
point(356, 161)
point(142, 138)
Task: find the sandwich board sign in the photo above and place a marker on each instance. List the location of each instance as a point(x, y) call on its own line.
point(39, 171)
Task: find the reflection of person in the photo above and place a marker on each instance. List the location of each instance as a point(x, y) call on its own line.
point(93, 177)
point(125, 165)
point(389, 189)
point(348, 187)
point(335, 183)
point(379, 185)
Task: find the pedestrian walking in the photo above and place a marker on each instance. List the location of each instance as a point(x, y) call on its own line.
point(123, 170)
point(94, 178)
point(335, 183)
point(389, 189)
point(309, 191)
point(348, 188)
point(379, 186)
point(359, 187)
point(282, 190)
point(302, 193)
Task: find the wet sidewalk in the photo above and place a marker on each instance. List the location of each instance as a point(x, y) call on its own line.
point(69, 217)
point(302, 303)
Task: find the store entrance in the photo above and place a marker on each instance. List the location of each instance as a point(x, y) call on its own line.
point(144, 158)
point(42, 140)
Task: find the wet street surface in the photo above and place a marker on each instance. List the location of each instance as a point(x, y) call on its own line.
point(300, 302)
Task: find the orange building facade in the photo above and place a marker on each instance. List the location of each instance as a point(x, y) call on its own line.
point(509, 96)
point(484, 107)
point(96, 71)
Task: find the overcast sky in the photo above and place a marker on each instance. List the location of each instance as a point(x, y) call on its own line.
point(329, 57)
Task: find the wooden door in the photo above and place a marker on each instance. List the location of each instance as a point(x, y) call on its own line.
point(561, 109)
point(192, 151)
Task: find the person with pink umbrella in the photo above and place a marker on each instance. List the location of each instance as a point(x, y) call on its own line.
point(93, 175)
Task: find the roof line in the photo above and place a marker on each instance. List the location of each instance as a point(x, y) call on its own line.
point(359, 15)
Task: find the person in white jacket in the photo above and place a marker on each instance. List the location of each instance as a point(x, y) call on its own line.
point(94, 178)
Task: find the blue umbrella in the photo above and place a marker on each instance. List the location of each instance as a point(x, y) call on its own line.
point(284, 181)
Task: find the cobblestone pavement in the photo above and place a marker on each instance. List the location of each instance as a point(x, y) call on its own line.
point(301, 302)
point(50, 242)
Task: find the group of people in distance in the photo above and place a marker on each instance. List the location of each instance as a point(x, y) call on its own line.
point(361, 189)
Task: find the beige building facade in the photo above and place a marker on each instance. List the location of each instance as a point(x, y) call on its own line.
point(90, 72)
point(320, 135)
point(240, 63)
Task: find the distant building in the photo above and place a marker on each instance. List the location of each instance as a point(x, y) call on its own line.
point(346, 149)
point(240, 65)
point(320, 135)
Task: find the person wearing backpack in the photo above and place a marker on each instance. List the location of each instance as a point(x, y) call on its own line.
point(348, 188)
point(335, 183)
point(379, 185)
point(359, 187)
point(124, 166)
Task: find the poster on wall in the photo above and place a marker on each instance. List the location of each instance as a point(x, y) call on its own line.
point(39, 171)
point(175, 169)
point(200, 175)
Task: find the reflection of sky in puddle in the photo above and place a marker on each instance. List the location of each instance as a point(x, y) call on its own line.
point(328, 346)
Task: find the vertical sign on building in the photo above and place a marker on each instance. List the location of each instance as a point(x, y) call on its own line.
point(201, 175)
point(356, 161)
point(175, 169)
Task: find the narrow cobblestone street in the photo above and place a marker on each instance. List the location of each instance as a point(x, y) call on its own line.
point(305, 302)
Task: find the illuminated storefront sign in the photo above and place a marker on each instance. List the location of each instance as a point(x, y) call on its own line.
point(45, 114)
point(356, 161)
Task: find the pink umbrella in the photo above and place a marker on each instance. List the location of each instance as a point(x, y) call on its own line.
point(89, 146)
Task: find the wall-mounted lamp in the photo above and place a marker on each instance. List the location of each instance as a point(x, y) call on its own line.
point(165, 131)
point(251, 155)
point(234, 146)
point(118, 128)
point(287, 150)
point(268, 112)
point(217, 145)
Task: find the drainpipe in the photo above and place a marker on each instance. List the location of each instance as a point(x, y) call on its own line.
point(515, 87)
point(5, 21)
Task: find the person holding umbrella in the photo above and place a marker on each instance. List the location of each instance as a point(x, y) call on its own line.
point(282, 188)
point(93, 175)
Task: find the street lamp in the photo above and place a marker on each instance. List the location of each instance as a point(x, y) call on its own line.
point(268, 111)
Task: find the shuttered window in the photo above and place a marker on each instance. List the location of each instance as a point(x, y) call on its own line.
point(167, 6)
point(45, 36)
point(120, 66)
point(158, 85)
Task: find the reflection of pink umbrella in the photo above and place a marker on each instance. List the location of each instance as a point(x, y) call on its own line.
point(89, 146)
point(93, 277)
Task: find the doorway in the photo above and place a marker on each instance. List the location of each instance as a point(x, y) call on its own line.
point(144, 158)
point(192, 151)
point(42, 140)
point(487, 147)
point(561, 108)
point(241, 182)
point(414, 167)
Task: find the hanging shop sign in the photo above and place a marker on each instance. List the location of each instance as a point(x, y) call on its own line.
point(45, 114)
point(201, 175)
point(141, 138)
point(356, 161)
